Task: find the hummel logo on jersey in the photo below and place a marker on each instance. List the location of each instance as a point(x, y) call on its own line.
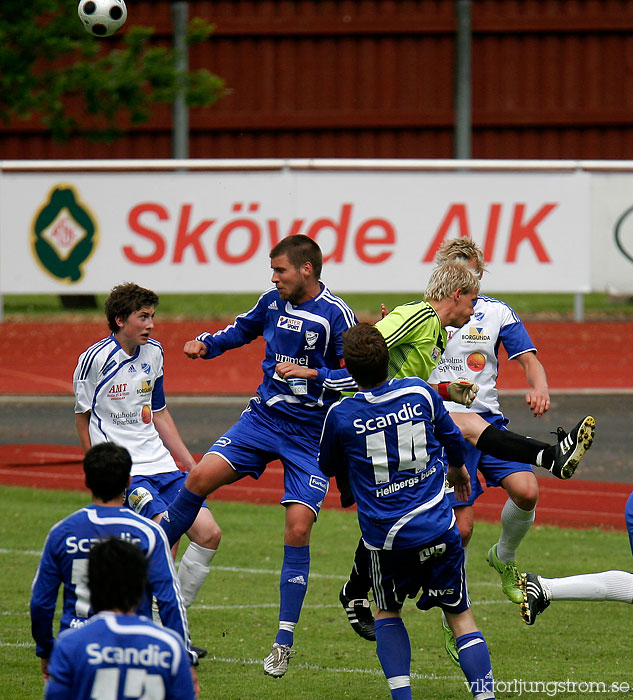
point(132, 368)
point(273, 305)
point(290, 324)
point(298, 579)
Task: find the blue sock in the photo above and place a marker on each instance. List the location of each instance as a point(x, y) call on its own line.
point(474, 658)
point(180, 514)
point(394, 651)
point(628, 517)
point(293, 586)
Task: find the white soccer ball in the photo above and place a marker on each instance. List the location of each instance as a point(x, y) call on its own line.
point(102, 17)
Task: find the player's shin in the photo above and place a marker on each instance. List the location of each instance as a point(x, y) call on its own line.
point(394, 651)
point(474, 658)
point(193, 570)
point(293, 586)
point(180, 514)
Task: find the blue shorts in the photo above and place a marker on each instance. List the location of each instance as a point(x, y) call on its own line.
point(436, 569)
point(150, 495)
point(262, 435)
point(493, 470)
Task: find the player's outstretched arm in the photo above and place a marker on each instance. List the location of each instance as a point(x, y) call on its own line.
point(538, 397)
point(195, 349)
point(460, 390)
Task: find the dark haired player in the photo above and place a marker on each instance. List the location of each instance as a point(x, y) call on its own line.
point(119, 397)
point(302, 323)
point(118, 653)
point(64, 559)
point(389, 437)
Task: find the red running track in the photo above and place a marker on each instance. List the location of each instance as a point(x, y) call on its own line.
point(581, 504)
point(39, 358)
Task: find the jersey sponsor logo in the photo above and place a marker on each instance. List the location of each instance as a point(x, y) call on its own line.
point(145, 388)
point(303, 361)
point(435, 354)
point(404, 484)
point(318, 482)
point(83, 545)
point(222, 442)
point(273, 305)
point(138, 498)
point(451, 364)
point(76, 623)
point(311, 338)
point(146, 414)
point(290, 324)
point(435, 551)
point(476, 361)
point(406, 413)
point(118, 391)
point(475, 334)
point(438, 592)
point(123, 418)
point(146, 367)
point(63, 234)
point(150, 656)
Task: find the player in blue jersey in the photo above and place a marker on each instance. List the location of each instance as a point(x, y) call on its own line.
point(469, 349)
point(539, 592)
point(64, 560)
point(119, 398)
point(118, 654)
point(390, 438)
point(302, 323)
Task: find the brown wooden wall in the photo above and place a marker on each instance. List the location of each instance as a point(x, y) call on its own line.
point(374, 79)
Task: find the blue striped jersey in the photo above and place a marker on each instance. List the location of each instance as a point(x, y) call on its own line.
point(116, 657)
point(309, 334)
point(64, 562)
point(391, 440)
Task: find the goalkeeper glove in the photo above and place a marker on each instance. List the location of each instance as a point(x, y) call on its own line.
point(461, 391)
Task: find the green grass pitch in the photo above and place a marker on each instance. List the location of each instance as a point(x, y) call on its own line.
point(235, 616)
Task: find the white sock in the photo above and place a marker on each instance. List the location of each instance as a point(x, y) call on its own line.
point(193, 570)
point(515, 524)
point(606, 585)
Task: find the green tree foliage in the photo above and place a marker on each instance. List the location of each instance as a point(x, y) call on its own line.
point(53, 71)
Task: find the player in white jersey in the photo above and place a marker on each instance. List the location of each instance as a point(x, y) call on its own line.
point(119, 397)
point(118, 654)
point(472, 352)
